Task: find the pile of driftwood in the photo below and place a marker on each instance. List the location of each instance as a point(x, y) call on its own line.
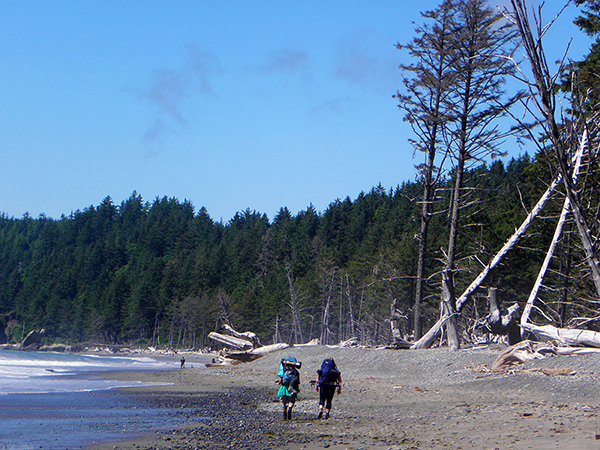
point(245, 347)
point(241, 347)
point(528, 350)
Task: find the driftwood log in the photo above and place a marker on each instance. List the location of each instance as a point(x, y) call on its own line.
point(528, 350)
point(564, 335)
point(248, 336)
point(520, 353)
point(241, 347)
point(255, 353)
point(231, 341)
point(312, 343)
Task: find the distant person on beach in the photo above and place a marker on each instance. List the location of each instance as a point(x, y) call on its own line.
point(289, 380)
point(182, 362)
point(329, 378)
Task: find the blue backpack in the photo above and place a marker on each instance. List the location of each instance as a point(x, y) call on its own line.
point(329, 373)
point(290, 376)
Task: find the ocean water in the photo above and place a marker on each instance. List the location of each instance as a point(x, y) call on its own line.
point(58, 401)
point(44, 372)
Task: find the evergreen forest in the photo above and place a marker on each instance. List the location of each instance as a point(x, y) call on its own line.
point(160, 273)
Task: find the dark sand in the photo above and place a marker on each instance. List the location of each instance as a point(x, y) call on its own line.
point(430, 399)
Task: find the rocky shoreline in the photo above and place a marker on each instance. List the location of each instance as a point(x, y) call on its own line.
point(400, 400)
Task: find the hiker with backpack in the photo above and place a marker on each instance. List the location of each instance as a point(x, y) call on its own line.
point(329, 378)
point(289, 379)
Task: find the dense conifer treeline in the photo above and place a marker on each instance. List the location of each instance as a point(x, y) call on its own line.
point(160, 273)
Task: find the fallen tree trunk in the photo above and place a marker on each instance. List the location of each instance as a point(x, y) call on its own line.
point(255, 353)
point(247, 342)
point(265, 350)
point(231, 341)
point(312, 343)
point(564, 335)
point(248, 336)
point(557, 233)
point(352, 342)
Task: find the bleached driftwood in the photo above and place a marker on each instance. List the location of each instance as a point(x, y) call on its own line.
point(528, 350)
point(248, 336)
point(312, 343)
point(564, 335)
point(520, 353)
point(247, 347)
point(254, 354)
point(266, 349)
point(223, 361)
point(557, 233)
point(352, 342)
point(231, 341)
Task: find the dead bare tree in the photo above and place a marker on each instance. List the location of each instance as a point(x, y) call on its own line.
point(479, 100)
point(295, 307)
point(541, 103)
point(427, 83)
point(327, 284)
point(351, 320)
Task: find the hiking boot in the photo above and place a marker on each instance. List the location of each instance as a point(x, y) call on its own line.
point(320, 416)
point(326, 416)
point(290, 414)
point(285, 415)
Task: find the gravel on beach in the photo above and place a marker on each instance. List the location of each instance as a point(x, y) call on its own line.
point(391, 399)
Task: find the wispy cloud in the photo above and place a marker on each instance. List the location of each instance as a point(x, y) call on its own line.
point(203, 66)
point(354, 63)
point(287, 65)
point(286, 60)
point(336, 105)
point(158, 129)
point(168, 89)
point(360, 61)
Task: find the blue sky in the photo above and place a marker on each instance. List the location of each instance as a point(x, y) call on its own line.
point(230, 105)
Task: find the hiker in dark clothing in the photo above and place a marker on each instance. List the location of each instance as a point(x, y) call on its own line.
point(329, 378)
point(182, 362)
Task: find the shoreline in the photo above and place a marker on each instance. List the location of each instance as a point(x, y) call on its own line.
point(64, 401)
point(392, 399)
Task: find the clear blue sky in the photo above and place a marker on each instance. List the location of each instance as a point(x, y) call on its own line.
point(230, 105)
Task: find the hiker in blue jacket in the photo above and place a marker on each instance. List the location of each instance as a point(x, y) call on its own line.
point(329, 378)
point(289, 379)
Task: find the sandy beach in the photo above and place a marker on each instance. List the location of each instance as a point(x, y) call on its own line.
point(391, 399)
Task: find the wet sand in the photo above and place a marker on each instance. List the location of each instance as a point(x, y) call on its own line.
point(400, 400)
